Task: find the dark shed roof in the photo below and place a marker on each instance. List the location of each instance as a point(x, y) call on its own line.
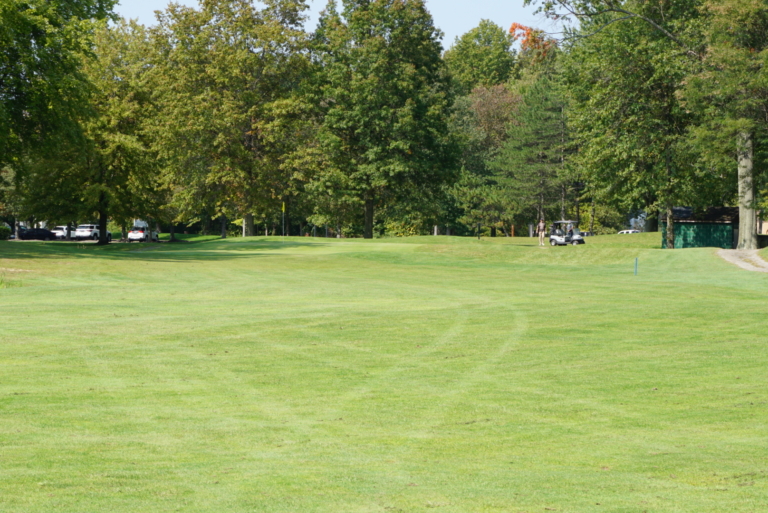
point(723, 215)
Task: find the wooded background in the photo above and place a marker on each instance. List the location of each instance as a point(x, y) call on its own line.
point(220, 117)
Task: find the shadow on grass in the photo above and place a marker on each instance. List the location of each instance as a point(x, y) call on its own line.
point(216, 249)
point(211, 248)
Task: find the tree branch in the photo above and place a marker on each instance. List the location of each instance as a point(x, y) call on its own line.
point(611, 8)
point(579, 36)
point(664, 31)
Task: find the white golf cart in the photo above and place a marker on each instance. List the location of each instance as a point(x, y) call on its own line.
point(563, 233)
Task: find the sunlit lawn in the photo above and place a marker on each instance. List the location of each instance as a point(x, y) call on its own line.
point(426, 374)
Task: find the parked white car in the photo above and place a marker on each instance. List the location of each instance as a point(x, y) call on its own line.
point(61, 232)
point(141, 233)
point(89, 231)
point(627, 232)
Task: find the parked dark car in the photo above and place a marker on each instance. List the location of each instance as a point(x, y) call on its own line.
point(37, 234)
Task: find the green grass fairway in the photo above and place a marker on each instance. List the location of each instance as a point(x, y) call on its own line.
point(418, 375)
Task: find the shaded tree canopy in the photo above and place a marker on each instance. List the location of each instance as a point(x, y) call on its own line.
point(385, 98)
point(42, 88)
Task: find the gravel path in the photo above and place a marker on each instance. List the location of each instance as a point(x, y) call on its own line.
point(745, 258)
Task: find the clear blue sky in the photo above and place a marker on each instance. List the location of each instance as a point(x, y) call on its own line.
point(453, 17)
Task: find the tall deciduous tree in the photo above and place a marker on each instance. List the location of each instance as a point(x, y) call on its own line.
point(230, 123)
point(107, 171)
point(385, 100)
point(731, 93)
point(42, 89)
point(481, 57)
point(628, 120)
point(480, 123)
point(43, 92)
point(727, 91)
point(117, 167)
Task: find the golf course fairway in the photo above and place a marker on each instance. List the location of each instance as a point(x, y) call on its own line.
point(436, 374)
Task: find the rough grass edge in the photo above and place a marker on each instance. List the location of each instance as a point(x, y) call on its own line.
point(5, 283)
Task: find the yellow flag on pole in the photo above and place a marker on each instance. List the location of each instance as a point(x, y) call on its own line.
point(283, 207)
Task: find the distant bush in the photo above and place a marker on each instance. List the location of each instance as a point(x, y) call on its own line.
point(5, 232)
point(403, 228)
point(607, 220)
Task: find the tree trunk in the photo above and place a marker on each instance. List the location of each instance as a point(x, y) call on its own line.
point(287, 218)
point(562, 160)
point(669, 204)
point(670, 227)
point(562, 201)
point(248, 228)
point(540, 208)
point(223, 219)
point(103, 239)
point(578, 208)
point(747, 215)
point(493, 231)
point(368, 229)
point(69, 231)
point(592, 218)
point(205, 225)
point(651, 222)
point(172, 232)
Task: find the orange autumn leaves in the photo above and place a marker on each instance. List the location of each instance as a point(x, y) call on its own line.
point(532, 41)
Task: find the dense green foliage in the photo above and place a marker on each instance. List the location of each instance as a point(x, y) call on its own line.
point(731, 93)
point(42, 87)
point(531, 162)
point(481, 57)
point(708, 53)
point(385, 100)
point(224, 79)
point(629, 122)
point(234, 112)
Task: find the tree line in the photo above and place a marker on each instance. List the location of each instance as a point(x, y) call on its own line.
point(234, 111)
